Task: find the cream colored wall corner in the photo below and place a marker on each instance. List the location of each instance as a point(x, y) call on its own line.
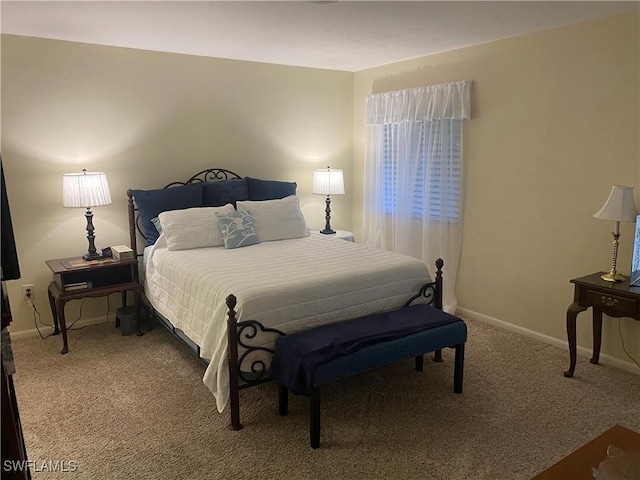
point(555, 123)
point(146, 119)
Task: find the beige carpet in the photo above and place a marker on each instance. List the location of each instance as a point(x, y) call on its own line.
point(136, 408)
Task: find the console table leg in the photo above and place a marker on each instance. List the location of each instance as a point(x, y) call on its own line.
point(572, 314)
point(597, 335)
point(54, 311)
point(63, 325)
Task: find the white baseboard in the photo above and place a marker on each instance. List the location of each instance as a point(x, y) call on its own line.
point(582, 351)
point(49, 330)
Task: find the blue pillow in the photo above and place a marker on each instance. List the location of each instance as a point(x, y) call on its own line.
point(237, 229)
point(269, 189)
point(153, 202)
point(157, 224)
point(217, 194)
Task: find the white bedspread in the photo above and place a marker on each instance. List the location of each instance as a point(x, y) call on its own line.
point(286, 284)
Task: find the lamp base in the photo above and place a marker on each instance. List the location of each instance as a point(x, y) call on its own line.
point(328, 231)
point(92, 256)
point(612, 277)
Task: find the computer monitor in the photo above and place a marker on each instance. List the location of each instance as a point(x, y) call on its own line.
point(635, 263)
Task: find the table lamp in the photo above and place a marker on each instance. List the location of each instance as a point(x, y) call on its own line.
point(86, 190)
point(328, 182)
point(619, 207)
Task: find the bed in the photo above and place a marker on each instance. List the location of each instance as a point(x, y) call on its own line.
point(229, 302)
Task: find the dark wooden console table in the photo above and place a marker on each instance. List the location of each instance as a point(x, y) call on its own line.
point(614, 299)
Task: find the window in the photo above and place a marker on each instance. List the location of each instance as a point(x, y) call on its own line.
point(413, 169)
point(434, 160)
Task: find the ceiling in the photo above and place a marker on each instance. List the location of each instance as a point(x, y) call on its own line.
point(339, 35)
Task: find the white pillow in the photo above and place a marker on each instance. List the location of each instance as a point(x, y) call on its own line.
point(276, 219)
point(193, 227)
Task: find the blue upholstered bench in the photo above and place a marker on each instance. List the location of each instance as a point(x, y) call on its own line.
point(304, 361)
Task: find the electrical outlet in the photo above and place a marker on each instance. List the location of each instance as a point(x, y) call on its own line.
point(27, 292)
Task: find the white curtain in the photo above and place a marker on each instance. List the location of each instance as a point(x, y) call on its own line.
point(413, 175)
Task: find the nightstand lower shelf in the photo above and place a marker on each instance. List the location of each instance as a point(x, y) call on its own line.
point(75, 280)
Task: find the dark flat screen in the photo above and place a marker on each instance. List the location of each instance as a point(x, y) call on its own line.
point(635, 263)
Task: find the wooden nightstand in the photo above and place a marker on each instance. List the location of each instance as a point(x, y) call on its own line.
point(75, 278)
point(342, 234)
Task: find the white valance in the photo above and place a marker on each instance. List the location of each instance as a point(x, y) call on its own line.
point(443, 101)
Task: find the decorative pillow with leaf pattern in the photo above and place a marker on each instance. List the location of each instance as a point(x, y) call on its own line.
point(237, 229)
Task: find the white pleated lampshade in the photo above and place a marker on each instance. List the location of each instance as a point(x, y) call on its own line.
point(620, 206)
point(328, 181)
point(85, 190)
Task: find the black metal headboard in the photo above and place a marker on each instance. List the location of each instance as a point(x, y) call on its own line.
point(209, 175)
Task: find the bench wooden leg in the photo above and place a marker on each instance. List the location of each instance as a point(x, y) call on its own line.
point(419, 363)
point(438, 356)
point(283, 400)
point(458, 369)
point(314, 418)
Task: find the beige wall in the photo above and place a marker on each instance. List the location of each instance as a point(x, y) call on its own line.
point(555, 123)
point(146, 119)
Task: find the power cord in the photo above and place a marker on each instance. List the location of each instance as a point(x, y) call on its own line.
point(37, 317)
point(70, 327)
point(622, 342)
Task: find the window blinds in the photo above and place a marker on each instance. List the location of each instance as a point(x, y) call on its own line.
point(437, 167)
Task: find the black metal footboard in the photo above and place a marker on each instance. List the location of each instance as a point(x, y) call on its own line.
point(432, 291)
point(247, 364)
point(248, 368)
